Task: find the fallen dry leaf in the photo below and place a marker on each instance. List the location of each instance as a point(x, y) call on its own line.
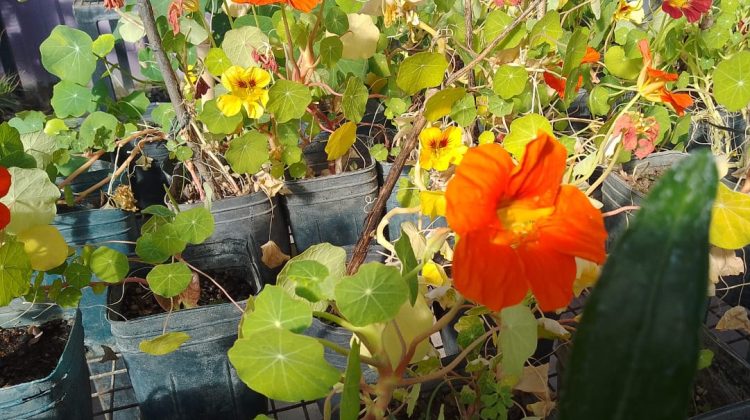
point(273, 256)
point(734, 319)
point(724, 262)
point(534, 380)
point(187, 299)
point(541, 408)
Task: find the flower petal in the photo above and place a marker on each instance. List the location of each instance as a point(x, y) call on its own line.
point(230, 77)
point(4, 216)
point(679, 101)
point(487, 273)
point(229, 105)
point(261, 77)
point(303, 5)
point(576, 228)
point(538, 176)
point(645, 52)
point(550, 275)
point(556, 83)
point(475, 190)
point(591, 56)
point(4, 181)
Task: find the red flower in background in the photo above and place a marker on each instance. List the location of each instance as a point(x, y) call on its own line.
point(301, 5)
point(691, 9)
point(519, 229)
point(638, 133)
point(4, 188)
point(558, 83)
point(113, 4)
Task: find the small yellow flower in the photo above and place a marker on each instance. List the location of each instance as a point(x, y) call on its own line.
point(433, 203)
point(630, 10)
point(440, 149)
point(246, 89)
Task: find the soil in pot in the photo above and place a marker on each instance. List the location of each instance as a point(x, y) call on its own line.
point(139, 301)
point(642, 181)
point(31, 353)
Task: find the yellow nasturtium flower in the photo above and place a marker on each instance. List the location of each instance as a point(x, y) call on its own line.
point(440, 149)
point(246, 89)
point(433, 203)
point(630, 10)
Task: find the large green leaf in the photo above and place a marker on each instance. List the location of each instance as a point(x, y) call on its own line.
point(354, 100)
point(40, 146)
point(732, 81)
point(15, 272)
point(374, 294)
point(67, 53)
point(547, 30)
point(283, 366)
point(332, 257)
point(518, 329)
point(28, 122)
point(165, 241)
point(109, 265)
point(636, 349)
point(495, 24)
point(239, 44)
point(510, 81)
point(464, 111)
point(168, 280)
point(288, 100)
point(31, 199)
point(616, 61)
point(331, 49)
point(216, 122)
point(420, 71)
point(194, 225)
point(247, 153)
point(276, 309)
point(439, 105)
point(71, 100)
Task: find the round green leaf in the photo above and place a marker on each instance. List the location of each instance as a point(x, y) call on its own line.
point(547, 30)
point(309, 275)
point(168, 280)
point(109, 265)
point(336, 21)
point(510, 81)
point(31, 199)
point(440, 104)
point(522, 131)
point(71, 100)
point(130, 27)
point(331, 49)
point(98, 131)
point(163, 115)
point(618, 64)
point(332, 257)
point(216, 122)
point(168, 239)
point(28, 121)
point(275, 309)
point(464, 111)
point(518, 338)
point(103, 45)
point(283, 366)
point(15, 272)
point(67, 53)
point(239, 43)
point(288, 100)
point(598, 101)
point(149, 247)
point(40, 146)
point(247, 153)
point(420, 71)
point(374, 294)
point(217, 61)
point(354, 100)
point(77, 275)
point(194, 225)
point(163, 344)
point(732, 81)
point(495, 24)
point(341, 140)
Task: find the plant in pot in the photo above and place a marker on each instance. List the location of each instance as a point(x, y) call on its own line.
point(43, 359)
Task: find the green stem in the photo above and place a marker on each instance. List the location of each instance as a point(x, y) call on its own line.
point(290, 45)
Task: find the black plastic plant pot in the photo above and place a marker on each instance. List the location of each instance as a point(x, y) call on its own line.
point(96, 227)
point(63, 394)
point(394, 224)
point(250, 216)
point(98, 171)
point(733, 135)
point(196, 381)
point(618, 192)
point(331, 208)
point(148, 181)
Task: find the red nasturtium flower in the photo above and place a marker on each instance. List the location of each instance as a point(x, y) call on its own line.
point(113, 4)
point(691, 9)
point(519, 229)
point(638, 133)
point(4, 188)
point(652, 81)
point(301, 5)
point(558, 83)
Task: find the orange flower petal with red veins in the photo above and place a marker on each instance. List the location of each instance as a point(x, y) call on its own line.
point(591, 56)
point(4, 216)
point(679, 101)
point(645, 52)
point(556, 83)
point(661, 75)
point(304, 5)
point(576, 228)
point(549, 274)
point(487, 273)
point(538, 176)
point(4, 181)
point(478, 185)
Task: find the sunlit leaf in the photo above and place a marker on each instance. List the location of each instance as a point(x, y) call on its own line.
point(163, 344)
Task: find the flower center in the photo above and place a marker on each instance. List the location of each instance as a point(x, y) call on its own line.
point(519, 219)
point(440, 143)
point(680, 4)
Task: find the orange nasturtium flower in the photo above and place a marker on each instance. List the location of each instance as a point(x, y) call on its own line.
point(440, 149)
point(4, 188)
point(301, 5)
point(246, 89)
point(652, 81)
point(691, 9)
point(518, 228)
point(558, 83)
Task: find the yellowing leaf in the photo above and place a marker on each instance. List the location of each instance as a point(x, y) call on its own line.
point(361, 41)
point(439, 105)
point(723, 262)
point(534, 379)
point(730, 221)
point(273, 256)
point(433, 203)
point(45, 247)
point(586, 276)
point(734, 319)
point(487, 137)
point(341, 140)
point(163, 344)
point(433, 274)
